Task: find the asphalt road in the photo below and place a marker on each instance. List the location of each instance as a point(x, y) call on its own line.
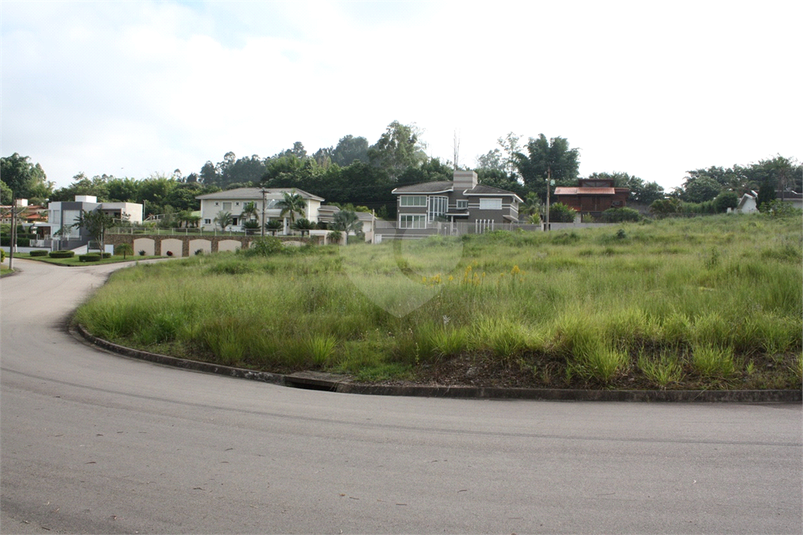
point(96, 443)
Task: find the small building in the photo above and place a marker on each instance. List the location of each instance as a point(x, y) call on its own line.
point(462, 200)
point(592, 196)
point(266, 201)
point(62, 215)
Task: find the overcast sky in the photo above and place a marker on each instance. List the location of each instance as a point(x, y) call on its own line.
point(650, 88)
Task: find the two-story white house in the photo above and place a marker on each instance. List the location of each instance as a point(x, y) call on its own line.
point(267, 204)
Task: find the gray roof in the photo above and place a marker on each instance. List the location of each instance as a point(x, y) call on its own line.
point(426, 187)
point(441, 187)
point(255, 194)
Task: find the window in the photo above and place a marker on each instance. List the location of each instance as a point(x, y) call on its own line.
point(412, 221)
point(227, 206)
point(462, 204)
point(493, 203)
point(437, 207)
point(207, 221)
point(413, 200)
point(217, 203)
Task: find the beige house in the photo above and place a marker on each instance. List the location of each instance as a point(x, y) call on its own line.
point(267, 204)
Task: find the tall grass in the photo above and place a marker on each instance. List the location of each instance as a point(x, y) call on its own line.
point(674, 299)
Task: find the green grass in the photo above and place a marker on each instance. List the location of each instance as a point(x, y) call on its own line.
point(712, 302)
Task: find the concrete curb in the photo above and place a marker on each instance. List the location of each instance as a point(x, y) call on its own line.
point(342, 384)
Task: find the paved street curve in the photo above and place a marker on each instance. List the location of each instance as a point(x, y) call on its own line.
point(96, 443)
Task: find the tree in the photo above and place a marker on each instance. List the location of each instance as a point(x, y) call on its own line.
point(250, 212)
point(547, 157)
point(96, 223)
point(725, 200)
point(397, 149)
point(292, 203)
point(303, 225)
point(224, 219)
point(347, 221)
point(349, 149)
point(640, 191)
point(273, 226)
point(701, 188)
point(25, 179)
point(124, 249)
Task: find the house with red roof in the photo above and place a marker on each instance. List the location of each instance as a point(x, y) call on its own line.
point(592, 196)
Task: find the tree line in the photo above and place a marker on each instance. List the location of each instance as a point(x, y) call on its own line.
point(358, 173)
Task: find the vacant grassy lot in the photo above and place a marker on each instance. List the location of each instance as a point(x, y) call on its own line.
point(713, 302)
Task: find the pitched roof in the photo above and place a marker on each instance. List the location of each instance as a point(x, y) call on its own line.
point(255, 194)
point(426, 187)
point(563, 190)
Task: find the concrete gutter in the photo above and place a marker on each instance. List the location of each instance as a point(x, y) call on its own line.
point(343, 384)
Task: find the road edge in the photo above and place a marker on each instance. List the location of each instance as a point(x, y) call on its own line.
point(343, 384)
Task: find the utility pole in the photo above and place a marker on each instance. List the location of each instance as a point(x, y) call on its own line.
point(13, 243)
point(548, 182)
point(264, 197)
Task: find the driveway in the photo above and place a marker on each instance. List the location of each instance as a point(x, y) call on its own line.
point(97, 443)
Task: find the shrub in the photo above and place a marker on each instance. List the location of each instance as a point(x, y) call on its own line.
point(335, 236)
point(5, 241)
point(169, 253)
point(2, 255)
point(142, 253)
point(267, 246)
point(90, 257)
point(199, 252)
point(725, 200)
point(106, 255)
point(560, 213)
point(62, 254)
point(617, 215)
point(39, 252)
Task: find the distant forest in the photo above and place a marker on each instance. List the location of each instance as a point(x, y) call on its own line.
point(361, 174)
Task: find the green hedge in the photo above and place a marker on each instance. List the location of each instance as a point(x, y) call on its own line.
point(39, 252)
point(5, 241)
point(62, 254)
point(90, 257)
point(616, 215)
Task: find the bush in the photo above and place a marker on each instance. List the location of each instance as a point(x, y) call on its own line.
point(617, 215)
point(2, 255)
point(267, 246)
point(5, 241)
point(142, 253)
point(334, 236)
point(560, 213)
point(725, 200)
point(39, 252)
point(62, 254)
point(89, 257)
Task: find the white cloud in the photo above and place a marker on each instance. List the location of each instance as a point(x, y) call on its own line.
point(652, 89)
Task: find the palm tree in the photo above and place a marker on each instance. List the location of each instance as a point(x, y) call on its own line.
point(273, 226)
point(249, 212)
point(224, 219)
point(303, 225)
point(347, 221)
point(292, 203)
